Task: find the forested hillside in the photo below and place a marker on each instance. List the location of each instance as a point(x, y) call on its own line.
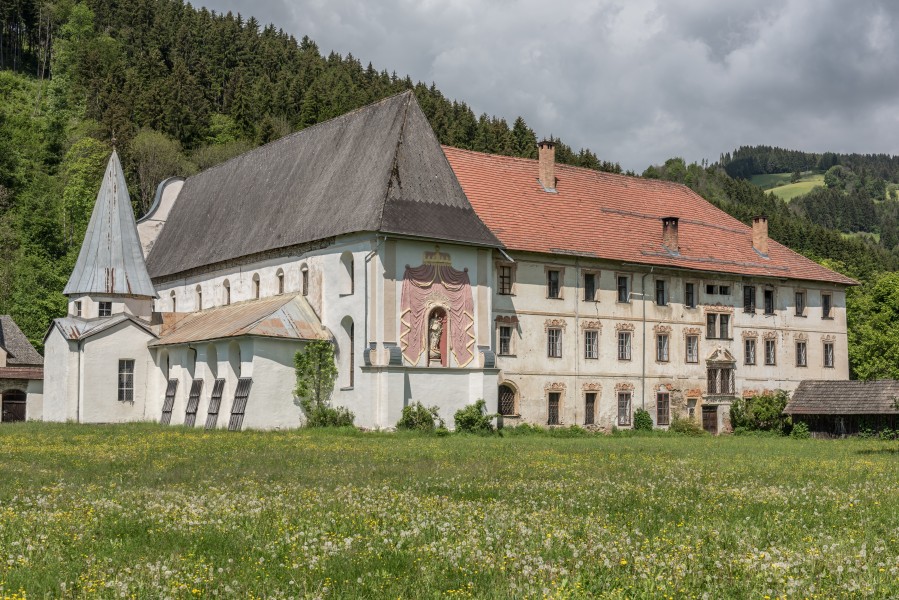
point(179, 89)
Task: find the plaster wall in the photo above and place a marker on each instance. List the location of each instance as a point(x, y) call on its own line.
point(34, 406)
point(60, 378)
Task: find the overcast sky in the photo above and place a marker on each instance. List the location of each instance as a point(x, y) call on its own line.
point(636, 81)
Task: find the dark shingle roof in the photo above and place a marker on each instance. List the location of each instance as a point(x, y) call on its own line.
point(379, 168)
point(816, 397)
point(19, 350)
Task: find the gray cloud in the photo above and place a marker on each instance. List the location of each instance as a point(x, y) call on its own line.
point(637, 81)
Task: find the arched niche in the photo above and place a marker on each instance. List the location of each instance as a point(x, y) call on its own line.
point(257, 286)
point(437, 336)
point(280, 276)
point(347, 273)
point(348, 351)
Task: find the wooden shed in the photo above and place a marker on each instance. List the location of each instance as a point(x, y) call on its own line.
point(837, 408)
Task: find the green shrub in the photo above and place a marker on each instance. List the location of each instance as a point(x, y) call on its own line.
point(761, 413)
point(474, 418)
point(642, 420)
point(800, 431)
point(316, 373)
point(686, 426)
point(323, 415)
point(418, 417)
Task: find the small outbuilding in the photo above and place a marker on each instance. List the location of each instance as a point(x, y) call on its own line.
point(837, 408)
point(21, 375)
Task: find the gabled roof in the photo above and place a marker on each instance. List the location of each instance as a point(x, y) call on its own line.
point(19, 351)
point(111, 261)
point(379, 169)
point(74, 328)
point(616, 217)
point(286, 316)
point(817, 397)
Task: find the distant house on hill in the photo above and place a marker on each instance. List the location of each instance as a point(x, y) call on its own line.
point(834, 408)
point(21, 374)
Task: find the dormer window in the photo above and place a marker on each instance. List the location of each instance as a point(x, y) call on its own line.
point(105, 309)
point(78, 308)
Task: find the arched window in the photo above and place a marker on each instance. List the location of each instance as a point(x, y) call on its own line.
point(508, 400)
point(348, 283)
point(348, 353)
point(305, 274)
point(226, 285)
point(256, 286)
point(174, 302)
point(199, 298)
point(280, 276)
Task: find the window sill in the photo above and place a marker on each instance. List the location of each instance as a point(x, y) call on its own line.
point(345, 294)
point(827, 318)
point(692, 362)
point(554, 298)
point(801, 316)
point(748, 312)
point(508, 355)
point(502, 294)
point(347, 389)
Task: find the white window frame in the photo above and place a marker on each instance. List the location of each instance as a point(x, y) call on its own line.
point(624, 345)
point(591, 343)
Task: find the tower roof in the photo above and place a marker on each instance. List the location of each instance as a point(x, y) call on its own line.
point(111, 261)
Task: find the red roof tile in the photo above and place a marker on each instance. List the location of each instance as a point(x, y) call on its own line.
point(616, 217)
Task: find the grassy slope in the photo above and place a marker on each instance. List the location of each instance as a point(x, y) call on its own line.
point(151, 511)
point(779, 184)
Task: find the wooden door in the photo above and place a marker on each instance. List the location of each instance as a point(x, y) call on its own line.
point(710, 419)
point(13, 406)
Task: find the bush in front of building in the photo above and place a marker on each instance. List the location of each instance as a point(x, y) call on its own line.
point(686, 426)
point(474, 418)
point(761, 413)
point(418, 417)
point(800, 431)
point(642, 420)
point(316, 372)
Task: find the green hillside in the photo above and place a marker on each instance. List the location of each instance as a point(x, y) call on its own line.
point(780, 184)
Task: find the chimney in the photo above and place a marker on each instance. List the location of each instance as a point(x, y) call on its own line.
point(760, 234)
point(547, 172)
point(669, 233)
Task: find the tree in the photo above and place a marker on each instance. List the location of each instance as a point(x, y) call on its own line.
point(316, 373)
point(873, 321)
point(154, 157)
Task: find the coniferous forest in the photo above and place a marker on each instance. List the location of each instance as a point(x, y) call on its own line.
point(179, 89)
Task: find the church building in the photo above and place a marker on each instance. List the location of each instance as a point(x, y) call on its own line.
point(559, 295)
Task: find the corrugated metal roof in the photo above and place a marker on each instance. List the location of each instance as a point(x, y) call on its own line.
point(286, 316)
point(820, 397)
point(73, 328)
point(111, 261)
point(379, 168)
point(19, 351)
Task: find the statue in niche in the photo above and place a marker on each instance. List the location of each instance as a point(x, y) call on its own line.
point(435, 333)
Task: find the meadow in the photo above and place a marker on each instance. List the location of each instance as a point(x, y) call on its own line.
point(143, 511)
point(779, 184)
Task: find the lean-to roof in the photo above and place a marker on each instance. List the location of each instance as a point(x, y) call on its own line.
point(111, 261)
point(379, 168)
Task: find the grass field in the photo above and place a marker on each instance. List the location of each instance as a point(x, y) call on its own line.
point(151, 512)
point(779, 184)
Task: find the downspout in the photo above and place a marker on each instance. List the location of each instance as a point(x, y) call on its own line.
point(643, 353)
point(78, 391)
point(367, 259)
point(577, 317)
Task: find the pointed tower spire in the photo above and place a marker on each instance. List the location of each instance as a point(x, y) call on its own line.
point(111, 262)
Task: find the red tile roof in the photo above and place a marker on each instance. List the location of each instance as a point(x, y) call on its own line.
point(616, 217)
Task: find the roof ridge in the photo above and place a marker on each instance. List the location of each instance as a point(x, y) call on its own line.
point(394, 168)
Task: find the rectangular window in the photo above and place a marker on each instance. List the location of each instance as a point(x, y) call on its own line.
point(724, 290)
point(661, 292)
point(711, 329)
point(717, 290)
point(105, 309)
point(505, 280)
point(692, 348)
point(624, 408)
point(748, 299)
point(663, 408)
point(126, 380)
point(553, 408)
point(505, 340)
point(769, 302)
point(554, 343)
point(800, 303)
point(690, 295)
point(589, 287)
point(169, 403)
point(801, 355)
point(662, 347)
point(591, 344)
point(711, 289)
point(215, 403)
point(239, 408)
point(552, 284)
point(590, 408)
point(828, 355)
point(624, 345)
point(193, 402)
point(749, 351)
point(623, 288)
point(770, 352)
point(724, 331)
point(78, 308)
point(826, 306)
point(721, 380)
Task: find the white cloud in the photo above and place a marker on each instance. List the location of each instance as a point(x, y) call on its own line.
point(637, 81)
